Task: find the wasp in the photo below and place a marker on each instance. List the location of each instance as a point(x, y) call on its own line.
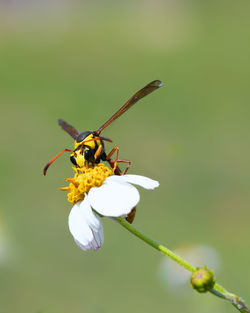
point(89, 146)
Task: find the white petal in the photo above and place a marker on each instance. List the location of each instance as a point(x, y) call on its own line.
point(142, 181)
point(85, 248)
point(86, 226)
point(92, 219)
point(113, 198)
point(98, 238)
point(78, 225)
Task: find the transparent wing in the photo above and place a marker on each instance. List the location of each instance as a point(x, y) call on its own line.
point(68, 128)
point(136, 97)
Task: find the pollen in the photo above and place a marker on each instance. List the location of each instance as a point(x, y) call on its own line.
point(84, 180)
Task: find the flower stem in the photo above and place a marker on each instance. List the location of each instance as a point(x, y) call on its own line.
point(156, 245)
point(217, 290)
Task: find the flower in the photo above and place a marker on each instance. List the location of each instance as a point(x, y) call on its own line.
point(112, 196)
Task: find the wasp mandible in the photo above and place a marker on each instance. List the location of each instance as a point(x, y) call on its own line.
point(89, 146)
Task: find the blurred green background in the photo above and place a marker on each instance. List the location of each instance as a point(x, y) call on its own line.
point(81, 61)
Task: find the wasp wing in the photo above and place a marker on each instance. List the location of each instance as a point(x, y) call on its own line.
point(136, 97)
point(68, 128)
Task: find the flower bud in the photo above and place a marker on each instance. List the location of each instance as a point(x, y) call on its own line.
point(202, 279)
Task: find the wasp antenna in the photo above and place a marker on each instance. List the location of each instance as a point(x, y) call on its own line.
point(106, 139)
point(45, 169)
point(95, 139)
point(52, 160)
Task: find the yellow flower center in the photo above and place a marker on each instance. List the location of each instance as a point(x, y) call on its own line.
point(85, 179)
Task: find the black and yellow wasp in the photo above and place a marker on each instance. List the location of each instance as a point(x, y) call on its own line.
point(89, 145)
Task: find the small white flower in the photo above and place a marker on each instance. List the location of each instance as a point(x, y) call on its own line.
point(115, 197)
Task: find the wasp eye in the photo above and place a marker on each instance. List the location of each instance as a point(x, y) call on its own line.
point(88, 154)
point(73, 160)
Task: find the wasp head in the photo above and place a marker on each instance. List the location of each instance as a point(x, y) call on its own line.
point(85, 149)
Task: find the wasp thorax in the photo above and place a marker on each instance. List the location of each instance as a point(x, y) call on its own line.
point(83, 136)
point(85, 179)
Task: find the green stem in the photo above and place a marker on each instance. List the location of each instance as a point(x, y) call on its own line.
point(217, 290)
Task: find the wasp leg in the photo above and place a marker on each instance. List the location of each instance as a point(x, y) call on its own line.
point(113, 162)
point(117, 170)
point(98, 152)
point(115, 149)
point(128, 166)
point(52, 160)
